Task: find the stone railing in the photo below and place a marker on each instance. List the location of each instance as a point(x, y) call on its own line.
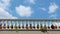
point(30, 24)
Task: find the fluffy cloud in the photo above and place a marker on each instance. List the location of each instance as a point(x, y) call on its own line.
point(24, 11)
point(4, 4)
point(5, 15)
point(52, 8)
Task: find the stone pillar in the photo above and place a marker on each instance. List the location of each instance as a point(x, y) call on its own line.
point(21, 24)
point(32, 25)
point(17, 25)
point(50, 24)
point(14, 25)
point(47, 24)
point(6, 24)
point(57, 25)
point(24, 24)
point(35, 24)
point(2, 24)
point(43, 24)
point(39, 24)
point(10, 24)
point(28, 24)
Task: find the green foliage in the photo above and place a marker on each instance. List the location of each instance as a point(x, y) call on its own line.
point(43, 28)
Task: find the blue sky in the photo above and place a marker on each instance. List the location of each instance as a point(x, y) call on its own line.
point(12, 9)
point(15, 9)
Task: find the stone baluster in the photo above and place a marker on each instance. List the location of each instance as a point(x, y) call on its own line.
point(28, 24)
point(21, 24)
point(17, 25)
point(35, 24)
point(57, 24)
point(32, 24)
point(6, 24)
point(10, 25)
point(2, 24)
point(14, 25)
point(43, 24)
point(24, 24)
point(47, 24)
point(50, 25)
point(39, 24)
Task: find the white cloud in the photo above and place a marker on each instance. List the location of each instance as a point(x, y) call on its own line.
point(4, 4)
point(5, 15)
point(24, 11)
point(53, 7)
point(30, 1)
